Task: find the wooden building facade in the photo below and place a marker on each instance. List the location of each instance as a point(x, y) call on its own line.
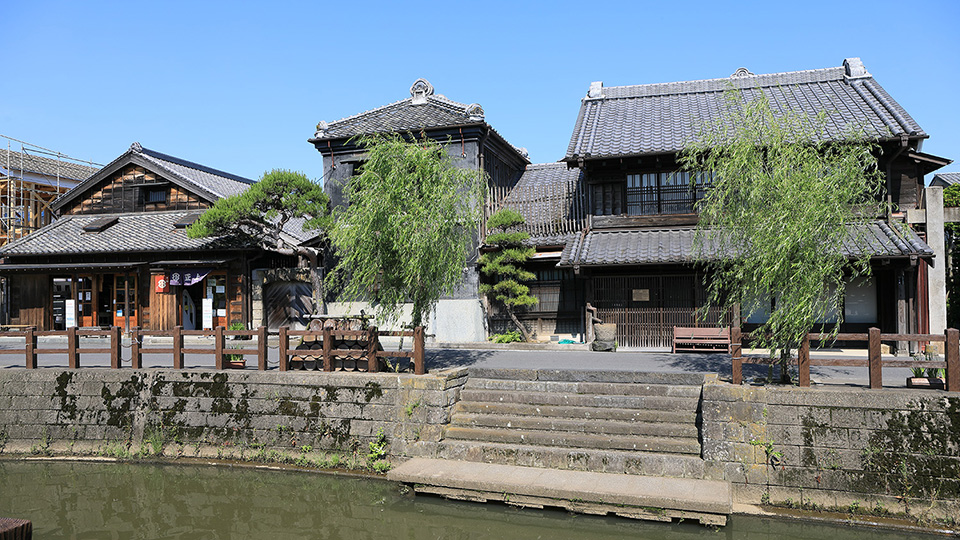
point(119, 255)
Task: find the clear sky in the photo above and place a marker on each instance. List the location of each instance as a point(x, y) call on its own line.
point(240, 86)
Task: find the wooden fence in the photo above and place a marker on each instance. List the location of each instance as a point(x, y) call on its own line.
point(371, 351)
point(874, 360)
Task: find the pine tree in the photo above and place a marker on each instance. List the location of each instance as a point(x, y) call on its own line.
point(505, 266)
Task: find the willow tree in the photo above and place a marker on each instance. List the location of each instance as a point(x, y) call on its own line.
point(783, 201)
point(505, 266)
point(259, 215)
point(408, 227)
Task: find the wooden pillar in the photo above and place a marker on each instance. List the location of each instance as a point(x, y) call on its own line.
point(419, 366)
point(283, 346)
point(136, 359)
point(115, 343)
point(736, 355)
point(875, 362)
point(126, 300)
point(218, 346)
point(902, 317)
point(373, 339)
point(953, 360)
point(30, 348)
point(73, 357)
point(327, 347)
point(177, 347)
point(803, 361)
point(262, 349)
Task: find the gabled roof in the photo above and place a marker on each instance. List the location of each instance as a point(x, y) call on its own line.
point(209, 183)
point(31, 163)
point(946, 179)
point(662, 118)
point(672, 246)
point(549, 197)
point(422, 110)
point(133, 232)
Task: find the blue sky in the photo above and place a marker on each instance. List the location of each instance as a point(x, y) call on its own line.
point(239, 86)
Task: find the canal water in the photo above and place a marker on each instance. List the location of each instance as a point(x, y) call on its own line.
point(83, 500)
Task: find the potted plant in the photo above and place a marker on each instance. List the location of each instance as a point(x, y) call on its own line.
point(932, 378)
point(236, 361)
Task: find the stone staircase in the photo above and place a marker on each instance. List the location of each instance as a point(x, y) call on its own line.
point(598, 421)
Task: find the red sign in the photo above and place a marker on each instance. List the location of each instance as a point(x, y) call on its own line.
point(161, 284)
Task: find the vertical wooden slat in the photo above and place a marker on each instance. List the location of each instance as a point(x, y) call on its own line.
point(419, 366)
point(136, 359)
point(803, 361)
point(953, 360)
point(327, 346)
point(115, 342)
point(218, 346)
point(73, 357)
point(30, 348)
point(373, 339)
point(736, 354)
point(262, 348)
point(177, 347)
point(874, 359)
point(283, 347)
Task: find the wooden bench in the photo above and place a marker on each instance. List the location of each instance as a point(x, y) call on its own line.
point(701, 339)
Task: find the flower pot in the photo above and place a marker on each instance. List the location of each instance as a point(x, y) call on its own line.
point(933, 383)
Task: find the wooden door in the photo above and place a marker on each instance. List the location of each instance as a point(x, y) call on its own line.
point(215, 288)
point(125, 297)
point(86, 303)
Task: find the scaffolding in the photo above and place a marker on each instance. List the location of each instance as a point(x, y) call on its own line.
point(31, 178)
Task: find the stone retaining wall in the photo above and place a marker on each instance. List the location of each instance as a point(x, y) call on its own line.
point(887, 449)
point(238, 413)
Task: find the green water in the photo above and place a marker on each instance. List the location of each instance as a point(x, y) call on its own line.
point(112, 501)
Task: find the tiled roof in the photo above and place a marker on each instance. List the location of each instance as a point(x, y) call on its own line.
point(654, 118)
point(210, 183)
point(946, 179)
point(140, 232)
point(32, 163)
point(549, 196)
point(672, 246)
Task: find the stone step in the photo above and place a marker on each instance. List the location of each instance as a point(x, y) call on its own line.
point(602, 388)
point(601, 376)
point(576, 425)
point(570, 412)
point(662, 403)
point(576, 440)
point(577, 459)
point(643, 497)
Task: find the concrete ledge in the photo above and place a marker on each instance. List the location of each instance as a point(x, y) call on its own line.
point(702, 497)
point(489, 346)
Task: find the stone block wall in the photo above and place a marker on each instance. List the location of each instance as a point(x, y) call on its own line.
point(240, 411)
point(887, 449)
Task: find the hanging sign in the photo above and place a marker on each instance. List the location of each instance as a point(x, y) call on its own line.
point(161, 284)
point(188, 276)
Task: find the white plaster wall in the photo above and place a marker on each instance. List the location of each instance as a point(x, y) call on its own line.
point(453, 321)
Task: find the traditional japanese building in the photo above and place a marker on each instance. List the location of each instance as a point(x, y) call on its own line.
point(620, 221)
point(119, 255)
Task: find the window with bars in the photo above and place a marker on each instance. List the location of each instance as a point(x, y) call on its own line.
point(554, 291)
point(665, 192)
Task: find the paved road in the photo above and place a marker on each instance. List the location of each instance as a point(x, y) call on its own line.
point(448, 358)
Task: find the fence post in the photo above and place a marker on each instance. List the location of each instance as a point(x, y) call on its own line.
point(327, 347)
point(953, 360)
point(136, 359)
point(73, 359)
point(218, 346)
point(803, 361)
point(177, 347)
point(373, 339)
point(419, 367)
point(283, 346)
point(30, 348)
point(736, 355)
point(874, 361)
point(115, 342)
point(262, 348)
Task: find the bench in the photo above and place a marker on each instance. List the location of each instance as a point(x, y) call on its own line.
point(701, 339)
